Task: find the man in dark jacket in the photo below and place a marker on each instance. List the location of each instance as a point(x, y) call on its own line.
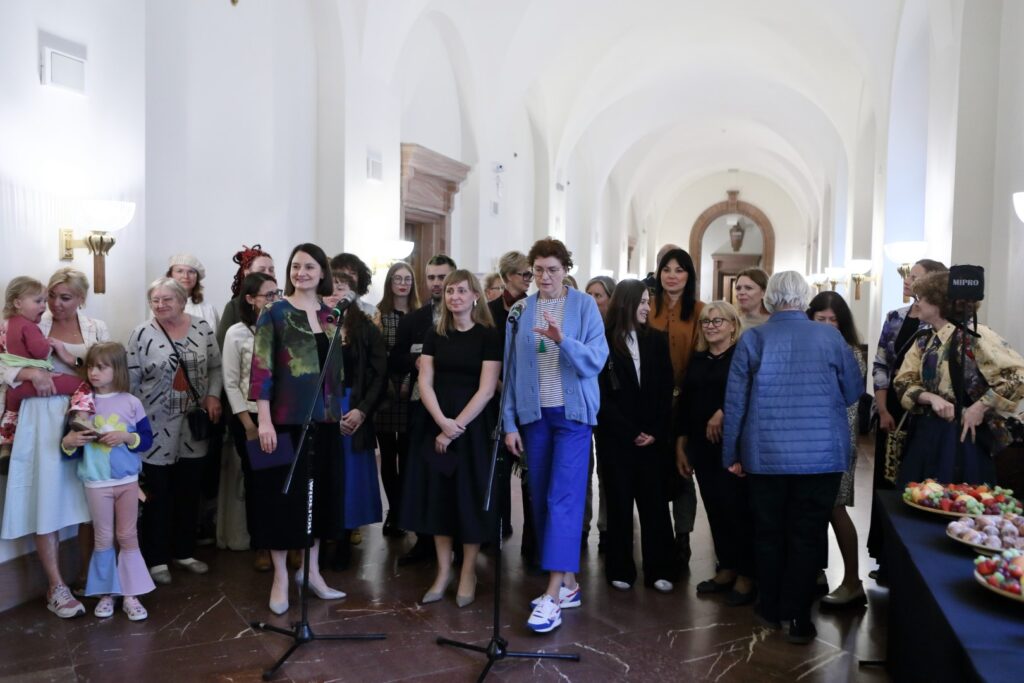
point(404, 358)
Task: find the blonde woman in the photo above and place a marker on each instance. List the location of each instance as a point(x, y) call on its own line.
point(699, 451)
point(459, 371)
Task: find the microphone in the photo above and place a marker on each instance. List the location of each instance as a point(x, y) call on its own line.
point(340, 307)
point(516, 312)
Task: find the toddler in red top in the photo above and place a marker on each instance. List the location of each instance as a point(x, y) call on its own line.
point(27, 346)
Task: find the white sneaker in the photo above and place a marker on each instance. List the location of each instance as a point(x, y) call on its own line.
point(62, 603)
point(160, 574)
point(193, 565)
point(663, 586)
point(566, 598)
point(546, 616)
point(621, 585)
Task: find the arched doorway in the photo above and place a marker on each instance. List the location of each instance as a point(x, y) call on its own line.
point(726, 264)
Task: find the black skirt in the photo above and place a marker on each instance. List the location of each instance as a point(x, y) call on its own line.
point(444, 494)
point(277, 520)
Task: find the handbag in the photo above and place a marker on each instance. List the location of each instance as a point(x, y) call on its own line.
point(895, 444)
point(197, 418)
point(280, 456)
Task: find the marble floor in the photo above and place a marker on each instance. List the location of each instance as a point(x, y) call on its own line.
point(198, 627)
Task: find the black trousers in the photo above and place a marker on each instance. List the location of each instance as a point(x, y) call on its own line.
point(637, 475)
point(727, 501)
point(791, 515)
point(168, 528)
point(394, 449)
point(238, 437)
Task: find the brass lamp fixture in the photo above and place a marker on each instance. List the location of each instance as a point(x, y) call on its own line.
point(391, 251)
point(98, 220)
point(859, 269)
point(904, 255)
point(834, 275)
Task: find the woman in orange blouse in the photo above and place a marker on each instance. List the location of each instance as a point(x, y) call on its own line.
point(676, 310)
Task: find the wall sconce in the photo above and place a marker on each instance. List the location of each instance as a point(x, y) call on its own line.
point(391, 251)
point(834, 275)
point(1018, 205)
point(817, 280)
point(99, 219)
point(904, 254)
point(859, 269)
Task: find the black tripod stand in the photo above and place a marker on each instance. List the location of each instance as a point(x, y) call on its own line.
point(497, 648)
point(300, 632)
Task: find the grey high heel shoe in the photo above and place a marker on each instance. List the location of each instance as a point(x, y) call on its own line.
point(435, 596)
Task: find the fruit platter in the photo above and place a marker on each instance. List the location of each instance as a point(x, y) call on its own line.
point(961, 500)
point(1001, 574)
point(989, 534)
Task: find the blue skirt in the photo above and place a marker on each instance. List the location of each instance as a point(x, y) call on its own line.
point(362, 486)
point(932, 451)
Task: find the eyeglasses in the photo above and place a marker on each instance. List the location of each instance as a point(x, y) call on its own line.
point(713, 322)
point(271, 296)
point(402, 280)
point(553, 271)
point(495, 289)
point(526, 274)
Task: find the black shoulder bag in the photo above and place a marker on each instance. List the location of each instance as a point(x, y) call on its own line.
point(198, 419)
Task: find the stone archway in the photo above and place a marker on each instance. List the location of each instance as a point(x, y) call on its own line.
point(733, 205)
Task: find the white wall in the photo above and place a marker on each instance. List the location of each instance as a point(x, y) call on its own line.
point(230, 133)
point(790, 225)
point(57, 148)
point(1005, 277)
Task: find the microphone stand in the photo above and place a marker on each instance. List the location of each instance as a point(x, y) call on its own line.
point(497, 647)
point(300, 632)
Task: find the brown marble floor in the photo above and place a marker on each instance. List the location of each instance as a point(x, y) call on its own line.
point(198, 628)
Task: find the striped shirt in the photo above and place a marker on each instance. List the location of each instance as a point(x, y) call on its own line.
point(549, 355)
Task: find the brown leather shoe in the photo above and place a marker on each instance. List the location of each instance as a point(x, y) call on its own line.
point(262, 562)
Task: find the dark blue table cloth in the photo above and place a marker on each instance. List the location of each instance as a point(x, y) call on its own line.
point(943, 626)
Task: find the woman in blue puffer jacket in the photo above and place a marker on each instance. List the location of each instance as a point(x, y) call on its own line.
point(785, 426)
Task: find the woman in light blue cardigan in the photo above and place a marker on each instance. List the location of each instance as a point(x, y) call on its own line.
point(553, 397)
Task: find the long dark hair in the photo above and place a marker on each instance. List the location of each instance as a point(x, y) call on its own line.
point(832, 301)
point(251, 285)
point(621, 317)
point(689, 296)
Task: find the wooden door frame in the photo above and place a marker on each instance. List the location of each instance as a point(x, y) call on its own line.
point(732, 205)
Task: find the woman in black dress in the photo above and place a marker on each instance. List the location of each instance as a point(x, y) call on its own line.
point(699, 449)
point(634, 447)
point(458, 374)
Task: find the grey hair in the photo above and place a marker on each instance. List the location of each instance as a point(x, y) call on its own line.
point(167, 283)
point(787, 290)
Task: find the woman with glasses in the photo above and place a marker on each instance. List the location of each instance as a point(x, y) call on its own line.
point(392, 418)
point(173, 363)
point(493, 286)
point(517, 275)
point(634, 440)
point(551, 408)
point(254, 292)
point(699, 451)
point(675, 310)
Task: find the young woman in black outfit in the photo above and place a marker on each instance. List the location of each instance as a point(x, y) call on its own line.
point(634, 440)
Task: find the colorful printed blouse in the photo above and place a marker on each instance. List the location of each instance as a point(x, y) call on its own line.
point(993, 371)
point(286, 366)
point(883, 368)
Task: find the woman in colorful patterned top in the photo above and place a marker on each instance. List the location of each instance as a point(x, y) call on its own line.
point(991, 381)
point(292, 339)
point(898, 331)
